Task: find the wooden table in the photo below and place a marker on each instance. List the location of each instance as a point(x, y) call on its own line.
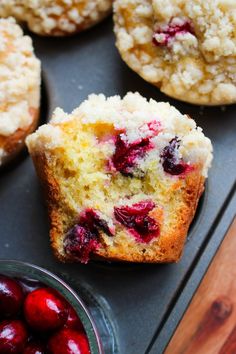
point(209, 324)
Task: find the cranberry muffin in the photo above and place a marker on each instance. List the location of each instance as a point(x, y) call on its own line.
point(185, 48)
point(56, 18)
point(122, 178)
point(19, 89)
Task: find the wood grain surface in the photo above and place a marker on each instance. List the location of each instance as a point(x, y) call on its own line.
point(209, 324)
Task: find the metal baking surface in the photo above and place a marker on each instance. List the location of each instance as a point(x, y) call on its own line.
point(137, 298)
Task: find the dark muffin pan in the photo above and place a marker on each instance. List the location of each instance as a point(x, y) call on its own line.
point(141, 304)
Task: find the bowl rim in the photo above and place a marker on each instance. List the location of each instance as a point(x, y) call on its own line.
point(9, 262)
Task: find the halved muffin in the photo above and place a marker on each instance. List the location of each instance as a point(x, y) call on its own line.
point(122, 178)
point(19, 89)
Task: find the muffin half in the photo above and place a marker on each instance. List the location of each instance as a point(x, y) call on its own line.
point(122, 178)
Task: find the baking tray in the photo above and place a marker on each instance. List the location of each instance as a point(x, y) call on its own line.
point(136, 299)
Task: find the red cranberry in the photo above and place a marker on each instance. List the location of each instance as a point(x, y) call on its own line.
point(164, 35)
point(171, 162)
point(137, 220)
point(11, 296)
point(126, 154)
point(80, 242)
point(83, 239)
point(44, 310)
point(93, 221)
point(34, 347)
point(73, 321)
point(68, 341)
point(13, 337)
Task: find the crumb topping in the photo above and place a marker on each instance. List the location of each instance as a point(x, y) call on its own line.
point(131, 113)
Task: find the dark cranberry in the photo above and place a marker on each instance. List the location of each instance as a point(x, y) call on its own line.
point(171, 162)
point(44, 310)
point(73, 320)
point(93, 221)
point(80, 242)
point(137, 220)
point(34, 347)
point(126, 154)
point(11, 296)
point(13, 337)
point(68, 341)
point(165, 34)
point(83, 239)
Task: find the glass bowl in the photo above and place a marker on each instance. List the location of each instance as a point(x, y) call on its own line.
point(32, 272)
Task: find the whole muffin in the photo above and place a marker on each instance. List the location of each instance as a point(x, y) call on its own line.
point(185, 48)
point(122, 178)
point(19, 89)
point(56, 18)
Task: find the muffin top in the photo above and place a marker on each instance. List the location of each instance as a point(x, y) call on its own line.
point(187, 48)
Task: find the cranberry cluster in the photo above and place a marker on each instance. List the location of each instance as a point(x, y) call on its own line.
point(137, 220)
point(126, 154)
point(38, 320)
point(83, 238)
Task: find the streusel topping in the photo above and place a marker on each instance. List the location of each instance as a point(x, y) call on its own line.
point(137, 113)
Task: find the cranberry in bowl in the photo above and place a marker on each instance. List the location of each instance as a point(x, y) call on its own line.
point(40, 314)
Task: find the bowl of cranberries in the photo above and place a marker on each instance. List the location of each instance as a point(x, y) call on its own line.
point(40, 314)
